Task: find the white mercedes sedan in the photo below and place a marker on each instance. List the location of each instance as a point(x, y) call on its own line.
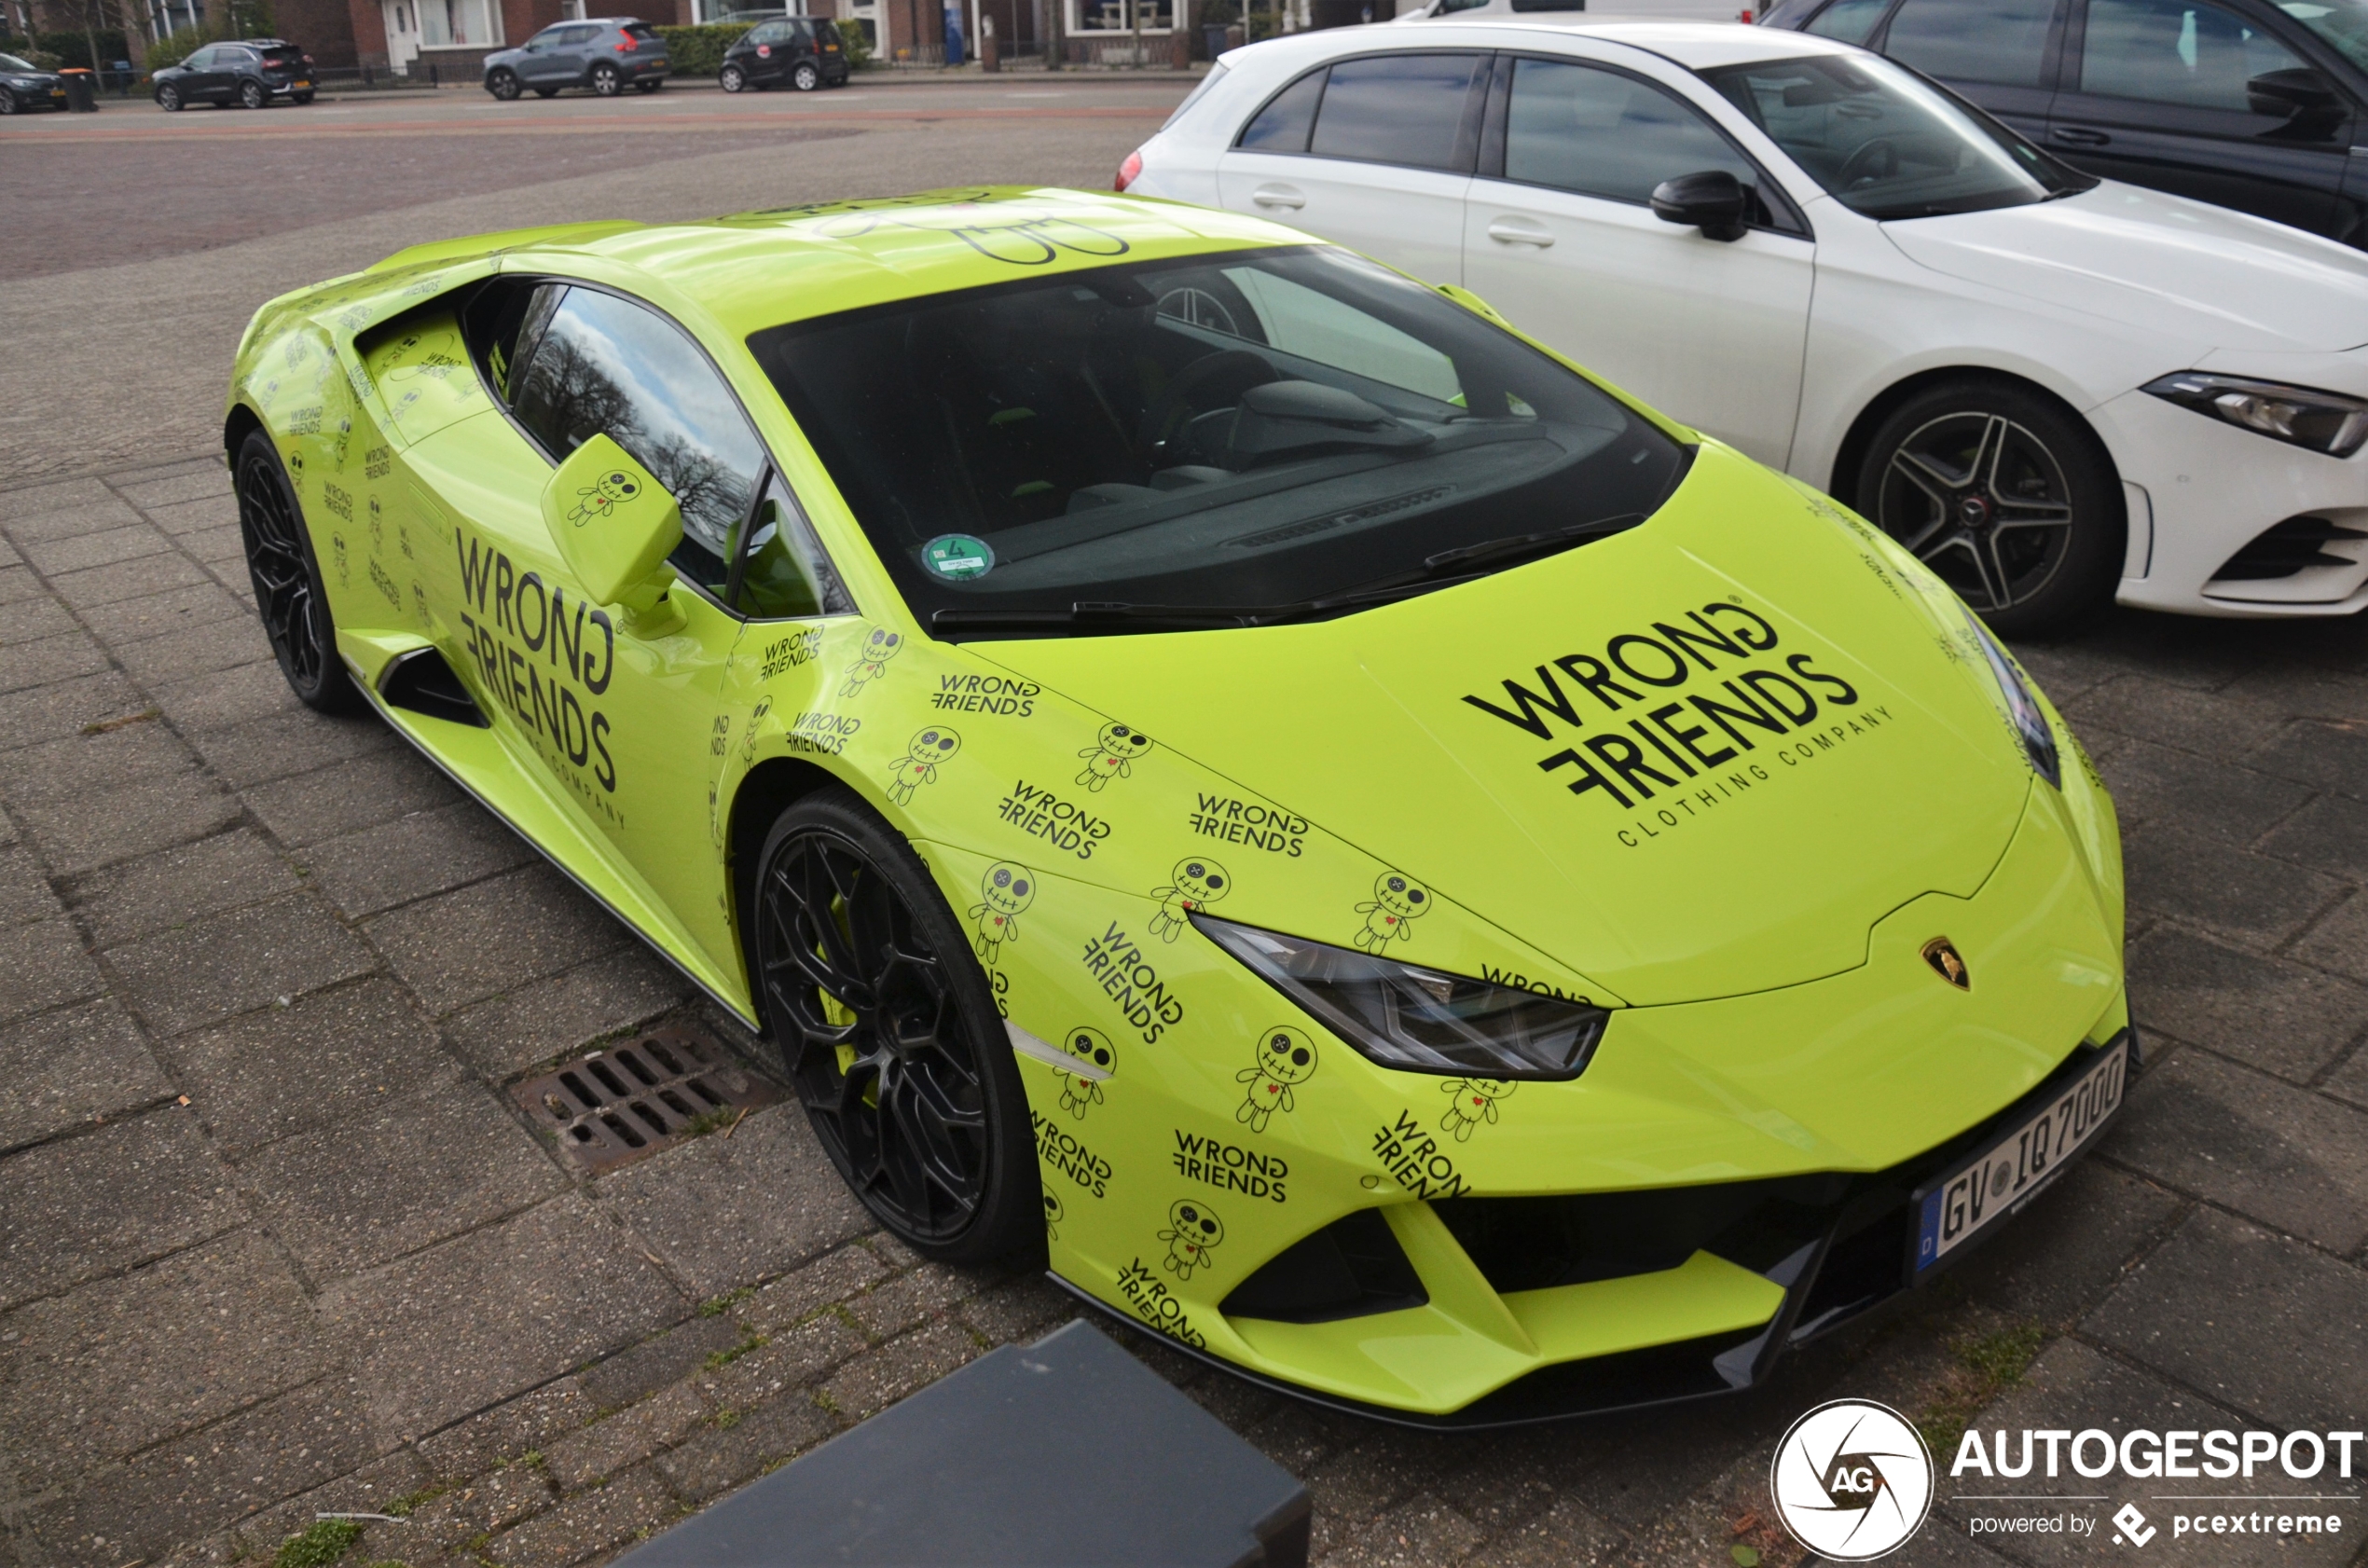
point(2049, 387)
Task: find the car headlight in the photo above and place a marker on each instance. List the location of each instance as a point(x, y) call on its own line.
point(1419, 1019)
point(2029, 719)
point(2324, 421)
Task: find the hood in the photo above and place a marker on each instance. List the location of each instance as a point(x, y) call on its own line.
point(2159, 263)
point(1698, 758)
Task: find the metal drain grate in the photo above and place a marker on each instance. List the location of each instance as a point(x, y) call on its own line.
point(627, 1101)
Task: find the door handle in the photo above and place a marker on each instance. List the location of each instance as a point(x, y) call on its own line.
point(2078, 136)
point(1285, 197)
point(1513, 232)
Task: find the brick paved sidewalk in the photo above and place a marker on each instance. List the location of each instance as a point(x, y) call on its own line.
point(270, 1243)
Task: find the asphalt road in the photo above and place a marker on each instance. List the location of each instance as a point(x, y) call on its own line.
point(143, 240)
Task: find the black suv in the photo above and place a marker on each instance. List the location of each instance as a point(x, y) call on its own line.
point(799, 50)
point(250, 72)
point(2245, 103)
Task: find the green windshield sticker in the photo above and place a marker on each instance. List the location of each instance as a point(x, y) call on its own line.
point(958, 557)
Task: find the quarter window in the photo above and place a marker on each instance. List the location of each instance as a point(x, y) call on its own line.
point(605, 366)
point(1407, 109)
point(2175, 51)
point(2000, 41)
point(1599, 134)
point(1283, 126)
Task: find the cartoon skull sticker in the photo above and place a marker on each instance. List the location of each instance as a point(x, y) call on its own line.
point(1112, 755)
point(870, 660)
point(1195, 884)
point(1004, 891)
point(1053, 1214)
point(922, 755)
point(1398, 898)
point(1092, 1048)
point(1192, 1233)
point(1286, 1056)
point(1474, 1102)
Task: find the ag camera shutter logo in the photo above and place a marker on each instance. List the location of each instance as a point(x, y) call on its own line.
point(1852, 1480)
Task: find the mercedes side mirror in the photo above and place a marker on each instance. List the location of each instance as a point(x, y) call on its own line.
point(2296, 93)
point(1714, 201)
point(614, 526)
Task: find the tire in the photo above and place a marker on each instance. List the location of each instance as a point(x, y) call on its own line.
point(547, 92)
point(651, 85)
point(805, 75)
point(930, 1132)
point(2005, 494)
point(300, 98)
point(251, 95)
point(607, 79)
point(288, 593)
point(733, 79)
point(7, 101)
point(504, 84)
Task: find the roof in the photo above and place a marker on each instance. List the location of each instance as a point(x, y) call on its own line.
point(759, 270)
point(1695, 44)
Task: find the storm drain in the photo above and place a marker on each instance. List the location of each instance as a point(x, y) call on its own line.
point(629, 1100)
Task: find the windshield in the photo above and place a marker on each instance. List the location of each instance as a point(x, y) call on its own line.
point(1886, 143)
point(10, 62)
point(2342, 23)
point(1232, 434)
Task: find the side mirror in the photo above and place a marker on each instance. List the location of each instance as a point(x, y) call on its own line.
point(616, 525)
point(2297, 92)
point(1714, 201)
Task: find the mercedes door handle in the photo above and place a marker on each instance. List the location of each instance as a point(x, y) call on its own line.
point(2078, 136)
point(1285, 197)
point(1513, 232)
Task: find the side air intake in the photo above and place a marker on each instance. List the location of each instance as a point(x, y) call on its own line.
point(2287, 548)
point(1352, 1268)
point(423, 682)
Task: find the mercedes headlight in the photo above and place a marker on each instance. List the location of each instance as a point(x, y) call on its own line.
point(2324, 421)
point(2023, 712)
point(1419, 1019)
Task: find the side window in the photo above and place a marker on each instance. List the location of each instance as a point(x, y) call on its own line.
point(607, 365)
point(785, 574)
point(201, 60)
point(766, 33)
point(1578, 128)
point(1999, 41)
point(502, 322)
point(1848, 22)
point(2176, 51)
point(1283, 124)
point(1407, 109)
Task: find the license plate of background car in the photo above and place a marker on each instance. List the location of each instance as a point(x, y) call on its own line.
point(634, 1097)
point(2015, 1168)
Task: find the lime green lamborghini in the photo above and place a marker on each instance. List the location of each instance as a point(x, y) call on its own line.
point(1223, 768)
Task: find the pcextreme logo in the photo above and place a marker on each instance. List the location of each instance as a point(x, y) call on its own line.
point(1851, 1480)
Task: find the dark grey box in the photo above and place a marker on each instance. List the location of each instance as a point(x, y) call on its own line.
point(1067, 1453)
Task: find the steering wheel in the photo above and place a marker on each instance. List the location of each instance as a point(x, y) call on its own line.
point(1878, 159)
point(1226, 374)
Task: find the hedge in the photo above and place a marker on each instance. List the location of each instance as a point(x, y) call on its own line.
point(699, 51)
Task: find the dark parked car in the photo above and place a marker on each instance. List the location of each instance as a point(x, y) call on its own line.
point(2245, 103)
point(25, 86)
point(602, 53)
point(250, 72)
point(798, 51)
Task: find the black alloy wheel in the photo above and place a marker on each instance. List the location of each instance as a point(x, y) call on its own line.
point(168, 99)
point(889, 1034)
point(253, 96)
point(733, 79)
point(288, 594)
point(7, 101)
point(504, 84)
point(2007, 496)
point(607, 79)
point(805, 76)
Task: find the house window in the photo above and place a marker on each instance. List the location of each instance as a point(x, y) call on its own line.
point(460, 23)
point(1119, 16)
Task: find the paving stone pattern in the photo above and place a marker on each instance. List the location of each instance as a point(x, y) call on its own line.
point(272, 1242)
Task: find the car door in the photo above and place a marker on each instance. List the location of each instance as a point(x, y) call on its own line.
point(1374, 152)
point(1558, 236)
point(539, 65)
point(771, 57)
point(2194, 98)
point(215, 78)
point(2000, 53)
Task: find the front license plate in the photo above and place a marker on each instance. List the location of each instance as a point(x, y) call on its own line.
point(2011, 1171)
point(301, 86)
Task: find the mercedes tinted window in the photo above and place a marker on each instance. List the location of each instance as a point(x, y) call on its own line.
point(1203, 438)
point(1580, 129)
point(2176, 51)
point(2000, 41)
point(1407, 109)
point(1283, 124)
